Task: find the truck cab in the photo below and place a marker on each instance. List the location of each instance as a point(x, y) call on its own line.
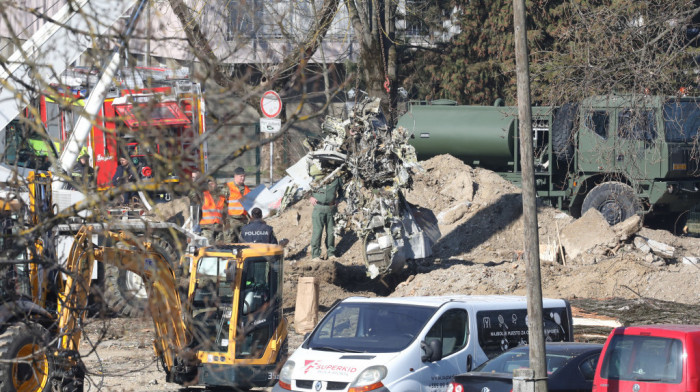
point(235, 311)
point(646, 144)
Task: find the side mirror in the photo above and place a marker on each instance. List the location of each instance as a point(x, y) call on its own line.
point(432, 350)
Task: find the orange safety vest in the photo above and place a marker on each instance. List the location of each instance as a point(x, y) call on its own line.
point(235, 208)
point(211, 211)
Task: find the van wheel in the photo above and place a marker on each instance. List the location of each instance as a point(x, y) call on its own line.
point(125, 292)
point(615, 200)
point(24, 363)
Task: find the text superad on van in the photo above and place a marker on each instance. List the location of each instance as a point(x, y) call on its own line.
point(412, 343)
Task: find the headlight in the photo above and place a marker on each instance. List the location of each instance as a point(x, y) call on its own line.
point(370, 378)
point(285, 380)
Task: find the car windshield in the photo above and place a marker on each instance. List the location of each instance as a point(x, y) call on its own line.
point(520, 358)
point(369, 327)
point(681, 120)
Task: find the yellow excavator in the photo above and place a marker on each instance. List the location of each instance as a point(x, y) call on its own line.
point(229, 332)
point(28, 288)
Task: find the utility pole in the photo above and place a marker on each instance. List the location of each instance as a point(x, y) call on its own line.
point(530, 235)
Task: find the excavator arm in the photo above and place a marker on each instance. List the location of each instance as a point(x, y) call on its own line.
point(172, 338)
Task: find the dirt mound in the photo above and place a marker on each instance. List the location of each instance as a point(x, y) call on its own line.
point(481, 249)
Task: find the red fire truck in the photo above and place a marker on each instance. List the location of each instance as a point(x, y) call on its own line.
point(153, 116)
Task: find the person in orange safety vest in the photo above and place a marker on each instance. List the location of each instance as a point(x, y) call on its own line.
point(213, 205)
point(236, 216)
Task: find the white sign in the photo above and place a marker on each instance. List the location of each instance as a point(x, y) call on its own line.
point(270, 125)
point(270, 104)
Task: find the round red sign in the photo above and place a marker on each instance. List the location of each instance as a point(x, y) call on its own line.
point(270, 104)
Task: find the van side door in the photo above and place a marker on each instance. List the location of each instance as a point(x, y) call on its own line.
point(451, 330)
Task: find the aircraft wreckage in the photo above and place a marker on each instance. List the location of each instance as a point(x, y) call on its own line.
point(375, 164)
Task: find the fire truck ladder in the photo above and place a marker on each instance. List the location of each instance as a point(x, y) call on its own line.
point(57, 44)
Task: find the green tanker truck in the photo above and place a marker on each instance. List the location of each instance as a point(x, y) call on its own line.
point(620, 154)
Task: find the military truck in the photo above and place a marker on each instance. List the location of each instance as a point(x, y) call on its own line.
point(622, 154)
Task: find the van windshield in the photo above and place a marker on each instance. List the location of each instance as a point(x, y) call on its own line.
point(643, 359)
point(369, 327)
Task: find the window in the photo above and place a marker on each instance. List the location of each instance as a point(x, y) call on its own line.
point(370, 327)
point(257, 316)
point(211, 304)
point(681, 121)
point(636, 124)
point(245, 18)
point(452, 329)
point(643, 358)
point(500, 330)
point(598, 121)
point(53, 120)
point(519, 358)
point(587, 367)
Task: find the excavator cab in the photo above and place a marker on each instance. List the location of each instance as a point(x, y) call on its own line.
point(235, 314)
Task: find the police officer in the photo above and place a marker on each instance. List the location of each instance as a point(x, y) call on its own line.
point(213, 204)
point(324, 200)
point(236, 215)
point(257, 230)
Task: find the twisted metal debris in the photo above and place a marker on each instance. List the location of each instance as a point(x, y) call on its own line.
point(375, 164)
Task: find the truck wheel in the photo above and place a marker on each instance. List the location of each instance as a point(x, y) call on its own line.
point(125, 293)
point(615, 200)
point(562, 131)
point(24, 364)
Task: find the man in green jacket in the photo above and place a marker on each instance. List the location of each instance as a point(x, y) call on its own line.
point(325, 201)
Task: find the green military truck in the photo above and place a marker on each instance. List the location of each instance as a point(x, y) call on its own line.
point(620, 154)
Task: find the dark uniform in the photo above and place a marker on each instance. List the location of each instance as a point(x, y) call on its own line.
point(83, 174)
point(259, 232)
point(322, 217)
point(123, 175)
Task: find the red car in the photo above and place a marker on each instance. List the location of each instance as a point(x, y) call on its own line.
point(653, 358)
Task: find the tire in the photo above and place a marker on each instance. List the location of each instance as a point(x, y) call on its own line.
point(562, 131)
point(124, 291)
point(24, 362)
point(615, 200)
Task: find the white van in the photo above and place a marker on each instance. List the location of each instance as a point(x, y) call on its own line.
point(412, 343)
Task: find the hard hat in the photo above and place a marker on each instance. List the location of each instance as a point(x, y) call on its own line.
point(83, 153)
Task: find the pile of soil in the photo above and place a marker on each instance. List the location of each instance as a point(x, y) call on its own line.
point(480, 252)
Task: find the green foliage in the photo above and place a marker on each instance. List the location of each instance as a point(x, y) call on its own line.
point(577, 48)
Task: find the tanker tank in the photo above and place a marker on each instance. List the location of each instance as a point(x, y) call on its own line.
point(478, 135)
